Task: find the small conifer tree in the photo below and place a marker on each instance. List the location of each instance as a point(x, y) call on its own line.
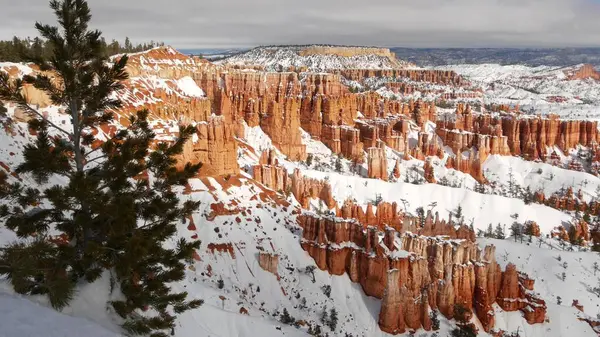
point(333, 319)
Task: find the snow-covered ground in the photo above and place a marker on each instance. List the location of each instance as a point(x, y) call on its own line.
point(19, 317)
point(540, 89)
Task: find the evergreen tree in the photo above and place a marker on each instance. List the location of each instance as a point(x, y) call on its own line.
point(338, 164)
point(309, 159)
point(3, 109)
point(435, 320)
point(421, 214)
point(107, 216)
point(515, 230)
point(286, 318)
point(527, 196)
point(333, 319)
point(324, 317)
point(499, 232)
point(463, 331)
point(459, 214)
point(489, 233)
point(128, 47)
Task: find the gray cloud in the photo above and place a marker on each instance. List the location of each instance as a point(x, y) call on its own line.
point(416, 23)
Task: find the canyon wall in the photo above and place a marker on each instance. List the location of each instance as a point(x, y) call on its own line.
point(412, 274)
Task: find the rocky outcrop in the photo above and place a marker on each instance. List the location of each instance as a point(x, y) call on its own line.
point(377, 163)
point(215, 148)
point(587, 71)
point(512, 134)
point(268, 262)
point(516, 293)
point(428, 172)
point(414, 273)
point(446, 77)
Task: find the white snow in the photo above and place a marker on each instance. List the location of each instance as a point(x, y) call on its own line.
point(20, 317)
point(189, 87)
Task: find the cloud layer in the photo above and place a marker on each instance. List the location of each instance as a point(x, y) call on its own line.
point(410, 23)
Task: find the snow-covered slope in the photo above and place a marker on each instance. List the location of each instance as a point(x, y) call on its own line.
point(19, 317)
point(541, 89)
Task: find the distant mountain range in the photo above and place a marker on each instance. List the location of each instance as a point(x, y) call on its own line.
point(505, 56)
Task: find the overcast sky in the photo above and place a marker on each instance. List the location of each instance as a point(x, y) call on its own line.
point(410, 23)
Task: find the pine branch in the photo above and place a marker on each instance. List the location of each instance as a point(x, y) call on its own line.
point(24, 105)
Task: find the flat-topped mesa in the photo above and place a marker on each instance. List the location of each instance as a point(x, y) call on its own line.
point(586, 71)
point(316, 58)
point(345, 51)
point(413, 274)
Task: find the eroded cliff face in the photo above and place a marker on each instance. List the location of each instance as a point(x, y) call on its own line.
point(511, 134)
point(412, 273)
point(587, 71)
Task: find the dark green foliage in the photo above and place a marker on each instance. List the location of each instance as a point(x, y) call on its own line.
point(339, 167)
point(499, 232)
point(463, 331)
point(107, 216)
point(20, 50)
point(309, 159)
point(333, 319)
point(435, 320)
point(459, 215)
point(2, 109)
point(324, 316)
point(378, 199)
point(326, 290)
point(421, 214)
point(286, 318)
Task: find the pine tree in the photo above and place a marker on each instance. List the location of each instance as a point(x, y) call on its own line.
point(459, 214)
point(527, 196)
point(128, 47)
point(324, 317)
point(3, 109)
point(339, 167)
point(515, 230)
point(489, 233)
point(333, 319)
point(499, 233)
point(435, 320)
point(421, 214)
point(463, 331)
point(110, 220)
point(286, 318)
